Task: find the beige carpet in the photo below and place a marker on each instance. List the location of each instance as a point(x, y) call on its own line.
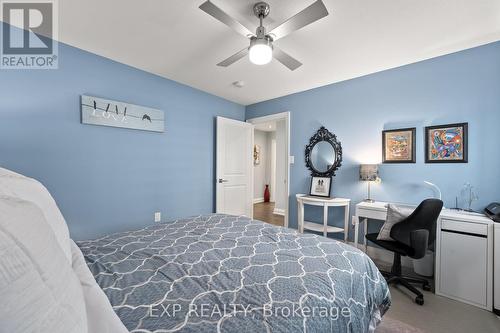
point(390, 325)
point(437, 315)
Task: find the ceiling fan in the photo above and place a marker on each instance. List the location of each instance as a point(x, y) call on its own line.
point(261, 49)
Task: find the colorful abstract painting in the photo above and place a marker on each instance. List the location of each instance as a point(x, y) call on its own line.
point(446, 143)
point(398, 145)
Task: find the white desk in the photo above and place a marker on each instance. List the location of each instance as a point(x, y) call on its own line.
point(496, 273)
point(303, 199)
point(464, 258)
point(464, 252)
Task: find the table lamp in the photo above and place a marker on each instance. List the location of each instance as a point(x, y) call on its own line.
point(369, 173)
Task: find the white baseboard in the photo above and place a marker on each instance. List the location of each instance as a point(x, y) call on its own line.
point(258, 200)
point(279, 211)
point(379, 254)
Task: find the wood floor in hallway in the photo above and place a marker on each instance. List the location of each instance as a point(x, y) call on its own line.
point(263, 211)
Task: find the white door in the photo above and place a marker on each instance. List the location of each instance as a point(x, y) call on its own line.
point(234, 176)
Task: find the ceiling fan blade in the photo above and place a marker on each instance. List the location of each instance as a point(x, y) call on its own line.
point(309, 15)
point(286, 59)
point(220, 15)
point(234, 58)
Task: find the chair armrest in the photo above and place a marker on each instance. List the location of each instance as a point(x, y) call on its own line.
point(419, 241)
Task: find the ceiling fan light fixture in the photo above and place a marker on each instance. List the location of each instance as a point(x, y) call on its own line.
point(260, 51)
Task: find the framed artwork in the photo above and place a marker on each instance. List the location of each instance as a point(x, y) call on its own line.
point(256, 155)
point(320, 186)
point(446, 143)
point(398, 145)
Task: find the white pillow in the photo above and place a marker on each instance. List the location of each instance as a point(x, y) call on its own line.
point(39, 291)
point(16, 185)
point(395, 214)
point(101, 318)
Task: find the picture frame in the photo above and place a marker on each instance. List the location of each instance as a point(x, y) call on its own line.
point(256, 155)
point(399, 145)
point(320, 186)
point(447, 143)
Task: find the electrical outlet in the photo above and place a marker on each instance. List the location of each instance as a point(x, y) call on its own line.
point(157, 217)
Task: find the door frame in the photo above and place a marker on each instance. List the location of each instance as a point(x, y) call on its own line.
point(274, 117)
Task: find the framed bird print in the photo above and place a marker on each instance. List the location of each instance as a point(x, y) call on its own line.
point(446, 143)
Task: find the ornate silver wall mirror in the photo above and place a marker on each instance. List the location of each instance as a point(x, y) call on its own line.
point(323, 154)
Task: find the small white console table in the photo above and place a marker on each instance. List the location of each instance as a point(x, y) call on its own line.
point(303, 199)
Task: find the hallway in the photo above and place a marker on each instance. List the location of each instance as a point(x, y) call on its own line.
point(264, 212)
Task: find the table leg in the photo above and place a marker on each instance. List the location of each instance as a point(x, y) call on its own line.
point(355, 222)
point(346, 223)
point(325, 220)
point(301, 217)
point(365, 222)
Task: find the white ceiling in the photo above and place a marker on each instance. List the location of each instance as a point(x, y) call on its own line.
point(177, 40)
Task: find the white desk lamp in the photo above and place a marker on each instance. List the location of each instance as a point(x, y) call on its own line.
point(435, 187)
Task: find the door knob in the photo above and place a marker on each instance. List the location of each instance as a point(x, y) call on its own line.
point(223, 180)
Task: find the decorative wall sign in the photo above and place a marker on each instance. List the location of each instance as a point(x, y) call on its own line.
point(446, 143)
point(103, 112)
point(398, 145)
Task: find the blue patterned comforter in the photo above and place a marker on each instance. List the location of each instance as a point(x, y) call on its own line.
point(221, 273)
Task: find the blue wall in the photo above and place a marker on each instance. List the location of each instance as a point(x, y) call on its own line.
point(106, 179)
point(460, 87)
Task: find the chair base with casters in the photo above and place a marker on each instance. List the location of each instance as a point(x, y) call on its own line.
point(395, 276)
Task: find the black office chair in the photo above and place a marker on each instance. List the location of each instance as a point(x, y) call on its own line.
point(412, 237)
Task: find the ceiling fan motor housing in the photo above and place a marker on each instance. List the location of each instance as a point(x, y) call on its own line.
point(264, 40)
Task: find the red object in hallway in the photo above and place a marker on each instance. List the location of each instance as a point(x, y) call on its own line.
point(267, 195)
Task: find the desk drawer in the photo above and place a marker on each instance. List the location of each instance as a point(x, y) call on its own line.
point(464, 227)
point(371, 213)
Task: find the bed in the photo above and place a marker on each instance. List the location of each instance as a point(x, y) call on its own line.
point(223, 273)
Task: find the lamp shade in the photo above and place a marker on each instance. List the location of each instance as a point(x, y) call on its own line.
point(260, 54)
point(260, 51)
point(368, 172)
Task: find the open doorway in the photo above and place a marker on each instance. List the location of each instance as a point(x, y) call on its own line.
point(271, 168)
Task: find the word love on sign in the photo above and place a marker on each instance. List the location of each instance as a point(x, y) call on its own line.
point(103, 112)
